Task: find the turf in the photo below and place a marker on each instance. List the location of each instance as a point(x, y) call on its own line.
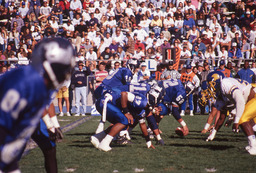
point(189, 154)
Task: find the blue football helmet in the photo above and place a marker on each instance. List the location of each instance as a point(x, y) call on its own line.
point(54, 59)
point(214, 80)
point(132, 64)
point(155, 94)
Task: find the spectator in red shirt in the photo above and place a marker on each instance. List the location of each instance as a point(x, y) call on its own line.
point(100, 74)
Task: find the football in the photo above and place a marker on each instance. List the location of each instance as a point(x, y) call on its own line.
point(179, 131)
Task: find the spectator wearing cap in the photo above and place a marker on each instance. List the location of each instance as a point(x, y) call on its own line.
point(235, 54)
point(23, 10)
point(35, 9)
point(224, 23)
point(142, 35)
point(19, 22)
point(138, 45)
point(189, 76)
point(246, 73)
point(156, 25)
point(35, 3)
point(225, 42)
point(145, 72)
point(170, 72)
point(158, 13)
point(45, 10)
point(75, 7)
point(58, 11)
point(169, 23)
point(79, 80)
point(69, 28)
point(247, 19)
point(224, 70)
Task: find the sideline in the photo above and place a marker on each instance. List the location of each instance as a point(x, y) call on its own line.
point(31, 144)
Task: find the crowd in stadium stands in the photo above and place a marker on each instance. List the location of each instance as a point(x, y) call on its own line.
point(206, 34)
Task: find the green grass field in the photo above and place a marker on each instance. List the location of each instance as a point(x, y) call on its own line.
point(189, 154)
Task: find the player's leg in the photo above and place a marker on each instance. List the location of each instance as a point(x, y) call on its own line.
point(116, 117)
point(249, 114)
point(48, 147)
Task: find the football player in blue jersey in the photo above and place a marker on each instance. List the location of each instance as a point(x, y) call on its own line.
point(24, 94)
point(123, 110)
point(117, 82)
point(175, 94)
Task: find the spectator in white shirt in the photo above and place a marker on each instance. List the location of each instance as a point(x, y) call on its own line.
point(45, 10)
point(75, 7)
point(91, 58)
point(142, 35)
point(54, 24)
point(69, 28)
point(23, 10)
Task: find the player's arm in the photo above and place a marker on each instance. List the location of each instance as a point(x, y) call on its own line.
point(125, 97)
point(210, 119)
point(240, 105)
point(143, 128)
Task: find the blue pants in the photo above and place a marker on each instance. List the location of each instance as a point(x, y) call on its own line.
point(114, 114)
point(190, 102)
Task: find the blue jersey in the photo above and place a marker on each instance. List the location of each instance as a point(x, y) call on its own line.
point(175, 91)
point(117, 82)
point(23, 97)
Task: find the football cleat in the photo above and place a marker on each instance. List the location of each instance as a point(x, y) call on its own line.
point(95, 141)
point(252, 150)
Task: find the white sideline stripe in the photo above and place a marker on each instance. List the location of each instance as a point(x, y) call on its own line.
point(31, 144)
